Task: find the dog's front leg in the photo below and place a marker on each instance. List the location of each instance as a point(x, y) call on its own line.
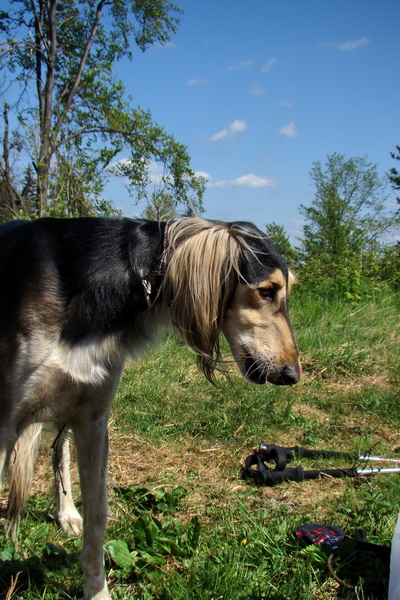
point(91, 441)
point(67, 516)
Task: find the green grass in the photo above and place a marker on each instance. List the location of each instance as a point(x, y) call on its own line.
point(185, 525)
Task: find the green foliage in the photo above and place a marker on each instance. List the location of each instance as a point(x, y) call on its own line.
point(153, 544)
point(336, 338)
point(159, 500)
point(394, 175)
point(344, 228)
point(389, 265)
point(154, 541)
point(281, 240)
point(157, 162)
point(64, 81)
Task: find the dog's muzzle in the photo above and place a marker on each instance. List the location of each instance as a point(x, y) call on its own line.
point(259, 372)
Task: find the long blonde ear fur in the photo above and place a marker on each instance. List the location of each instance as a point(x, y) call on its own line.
point(202, 270)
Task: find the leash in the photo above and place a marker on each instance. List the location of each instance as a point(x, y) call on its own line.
point(255, 465)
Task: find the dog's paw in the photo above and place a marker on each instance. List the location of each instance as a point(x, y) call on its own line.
point(70, 522)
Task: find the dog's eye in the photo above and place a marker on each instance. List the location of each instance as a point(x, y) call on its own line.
point(267, 293)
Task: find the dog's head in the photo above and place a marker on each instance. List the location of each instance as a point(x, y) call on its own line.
point(229, 277)
point(256, 323)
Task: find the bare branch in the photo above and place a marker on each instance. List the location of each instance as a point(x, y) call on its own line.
point(81, 67)
point(89, 130)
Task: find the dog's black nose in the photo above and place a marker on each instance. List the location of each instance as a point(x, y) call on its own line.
point(291, 375)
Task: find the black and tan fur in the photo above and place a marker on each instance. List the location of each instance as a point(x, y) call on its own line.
point(79, 296)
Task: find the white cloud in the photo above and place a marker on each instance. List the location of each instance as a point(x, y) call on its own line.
point(164, 45)
point(290, 130)
point(327, 45)
point(194, 81)
point(287, 103)
point(203, 174)
point(249, 181)
point(229, 132)
point(155, 171)
point(122, 162)
point(257, 90)
point(267, 68)
point(241, 65)
point(352, 45)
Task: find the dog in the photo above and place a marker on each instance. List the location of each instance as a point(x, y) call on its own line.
point(81, 295)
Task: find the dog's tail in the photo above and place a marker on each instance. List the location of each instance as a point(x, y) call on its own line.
point(20, 476)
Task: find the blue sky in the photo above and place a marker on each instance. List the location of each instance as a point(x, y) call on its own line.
point(259, 89)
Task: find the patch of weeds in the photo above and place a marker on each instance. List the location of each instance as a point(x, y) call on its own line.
point(154, 543)
point(149, 543)
point(143, 499)
point(246, 550)
point(368, 507)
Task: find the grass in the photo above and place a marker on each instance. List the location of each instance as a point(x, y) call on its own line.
point(184, 525)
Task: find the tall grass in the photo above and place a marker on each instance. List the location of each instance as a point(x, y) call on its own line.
point(184, 525)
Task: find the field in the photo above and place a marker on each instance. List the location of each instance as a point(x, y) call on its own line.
point(183, 523)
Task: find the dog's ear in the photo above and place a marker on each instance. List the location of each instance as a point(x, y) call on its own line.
point(202, 270)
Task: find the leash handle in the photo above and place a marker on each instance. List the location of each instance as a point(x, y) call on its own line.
point(281, 455)
point(296, 474)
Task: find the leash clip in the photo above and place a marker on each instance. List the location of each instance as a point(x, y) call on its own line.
point(147, 288)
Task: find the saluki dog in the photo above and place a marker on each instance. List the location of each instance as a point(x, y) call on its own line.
point(78, 296)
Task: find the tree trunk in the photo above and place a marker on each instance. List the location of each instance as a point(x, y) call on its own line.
point(43, 186)
point(45, 55)
point(12, 200)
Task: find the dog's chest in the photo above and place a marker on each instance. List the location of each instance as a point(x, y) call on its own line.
point(52, 379)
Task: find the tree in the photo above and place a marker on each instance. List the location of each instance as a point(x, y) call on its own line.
point(346, 222)
point(277, 234)
point(62, 54)
point(389, 265)
point(394, 175)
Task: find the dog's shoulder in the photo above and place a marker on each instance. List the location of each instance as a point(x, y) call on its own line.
point(85, 274)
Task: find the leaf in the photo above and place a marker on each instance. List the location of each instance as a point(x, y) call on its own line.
point(173, 548)
point(145, 499)
point(7, 553)
point(194, 533)
point(152, 559)
point(119, 552)
point(40, 532)
point(145, 531)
